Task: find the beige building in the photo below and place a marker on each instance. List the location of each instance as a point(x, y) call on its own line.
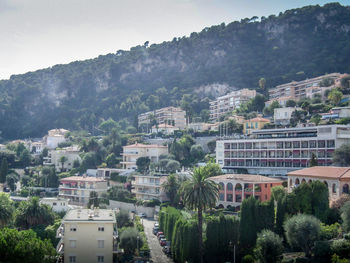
point(282, 116)
point(87, 236)
point(148, 187)
point(54, 158)
point(337, 179)
point(169, 115)
point(132, 152)
point(164, 128)
point(229, 102)
point(78, 188)
point(54, 137)
point(297, 90)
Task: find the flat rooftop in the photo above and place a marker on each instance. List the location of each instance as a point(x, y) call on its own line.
point(82, 179)
point(90, 215)
point(249, 178)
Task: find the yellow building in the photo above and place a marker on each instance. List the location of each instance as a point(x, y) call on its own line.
point(254, 124)
point(87, 236)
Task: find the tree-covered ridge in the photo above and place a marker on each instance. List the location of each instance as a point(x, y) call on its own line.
point(294, 45)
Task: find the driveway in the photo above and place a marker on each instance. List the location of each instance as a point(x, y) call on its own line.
point(157, 254)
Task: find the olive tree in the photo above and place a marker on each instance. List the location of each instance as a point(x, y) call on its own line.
point(269, 247)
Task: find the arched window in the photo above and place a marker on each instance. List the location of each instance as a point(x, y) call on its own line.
point(238, 187)
point(297, 181)
point(303, 181)
point(325, 183)
point(345, 188)
point(334, 189)
point(229, 187)
point(309, 181)
point(221, 186)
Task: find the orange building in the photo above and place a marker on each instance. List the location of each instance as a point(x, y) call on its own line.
point(234, 188)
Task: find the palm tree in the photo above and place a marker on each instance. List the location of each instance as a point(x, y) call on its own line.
point(199, 193)
point(6, 209)
point(171, 187)
point(63, 159)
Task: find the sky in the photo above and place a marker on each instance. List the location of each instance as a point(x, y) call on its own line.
point(37, 34)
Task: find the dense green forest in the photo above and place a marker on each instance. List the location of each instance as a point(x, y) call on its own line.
point(294, 45)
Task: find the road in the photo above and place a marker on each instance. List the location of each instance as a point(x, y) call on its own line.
point(157, 254)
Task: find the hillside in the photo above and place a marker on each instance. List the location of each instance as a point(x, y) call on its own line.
point(294, 45)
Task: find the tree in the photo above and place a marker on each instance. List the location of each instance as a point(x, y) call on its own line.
point(171, 188)
point(143, 164)
point(258, 103)
point(205, 115)
point(111, 160)
point(25, 158)
point(130, 239)
point(31, 213)
point(291, 103)
point(3, 170)
point(6, 209)
point(270, 109)
point(63, 159)
point(172, 166)
point(123, 218)
point(212, 169)
point(199, 193)
point(313, 160)
point(345, 216)
point(211, 146)
point(269, 247)
point(197, 152)
point(316, 119)
point(11, 180)
point(302, 231)
point(341, 156)
point(335, 96)
point(262, 84)
point(93, 200)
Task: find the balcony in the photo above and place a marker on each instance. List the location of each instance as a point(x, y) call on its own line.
point(60, 231)
point(60, 247)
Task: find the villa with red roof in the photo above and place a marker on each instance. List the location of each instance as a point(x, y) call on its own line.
point(254, 124)
point(132, 152)
point(337, 179)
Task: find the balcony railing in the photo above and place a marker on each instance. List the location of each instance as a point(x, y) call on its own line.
point(60, 232)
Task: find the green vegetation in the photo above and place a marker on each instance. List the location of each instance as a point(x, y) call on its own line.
point(269, 247)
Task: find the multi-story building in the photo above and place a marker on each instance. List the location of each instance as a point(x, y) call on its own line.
point(132, 152)
point(87, 236)
point(78, 188)
point(169, 115)
point(55, 137)
point(229, 102)
point(164, 128)
point(254, 124)
point(56, 203)
point(337, 179)
point(147, 187)
point(280, 151)
point(54, 158)
point(282, 116)
point(337, 113)
point(234, 188)
point(297, 90)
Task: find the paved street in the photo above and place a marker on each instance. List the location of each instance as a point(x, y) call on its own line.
point(157, 254)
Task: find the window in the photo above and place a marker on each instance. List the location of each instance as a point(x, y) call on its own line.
point(101, 228)
point(73, 228)
point(73, 243)
point(330, 144)
point(72, 259)
point(304, 145)
point(100, 259)
point(100, 243)
point(54, 203)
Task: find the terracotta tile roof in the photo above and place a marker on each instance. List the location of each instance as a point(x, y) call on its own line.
point(82, 179)
point(253, 178)
point(140, 145)
point(259, 119)
point(323, 172)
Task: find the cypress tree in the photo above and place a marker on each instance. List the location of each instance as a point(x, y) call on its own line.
point(3, 170)
point(247, 229)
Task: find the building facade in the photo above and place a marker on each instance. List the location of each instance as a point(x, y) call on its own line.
point(55, 137)
point(87, 236)
point(229, 102)
point(57, 204)
point(297, 90)
point(280, 151)
point(164, 128)
point(54, 158)
point(234, 188)
point(254, 124)
point(132, 152)
point(337, 179)
point(169, 115)
point(282, 116)
point(148, 187)
point(78, 188)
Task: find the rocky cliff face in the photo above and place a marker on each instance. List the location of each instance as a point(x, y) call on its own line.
point(297, 44)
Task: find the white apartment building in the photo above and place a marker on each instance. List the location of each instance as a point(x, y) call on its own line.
point(87, 236)
point(132, 152)
point(280, 151)
point(148, 187)
point(282, 116)
point(78, 188)
point(229, 102)
point(169, 115)
point(54, 158)
point(164, 128)
point(54, 137)
point(297, 90)
point(56, 203)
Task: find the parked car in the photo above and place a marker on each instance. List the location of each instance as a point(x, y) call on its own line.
point(156, 224)
point(155, 230)
point(160, 233)
point(160, 237)
point(142, 215)
point(166, 249)
point(162, 242)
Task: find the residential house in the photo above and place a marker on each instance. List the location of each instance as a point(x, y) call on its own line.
point(55, 137)
point(164, 128)
point(54, 158)
point(87, 236)
point(254, 124)
point(337, 113)
point(282, 116)
point(56, 203)
point(148, 187)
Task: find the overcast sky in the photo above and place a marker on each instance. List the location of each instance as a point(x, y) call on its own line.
point(40, 33)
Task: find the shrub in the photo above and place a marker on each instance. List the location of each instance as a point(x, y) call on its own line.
point(123, 218)
point(329, 231)
point(269, 247)
point(248, 259)
point(341, 247)
point(128, 240)
point(345, 216)
point(322, 251)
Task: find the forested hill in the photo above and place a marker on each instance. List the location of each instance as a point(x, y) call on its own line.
point(294, 45)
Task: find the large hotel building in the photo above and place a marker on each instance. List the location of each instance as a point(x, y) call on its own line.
point(280, 151)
